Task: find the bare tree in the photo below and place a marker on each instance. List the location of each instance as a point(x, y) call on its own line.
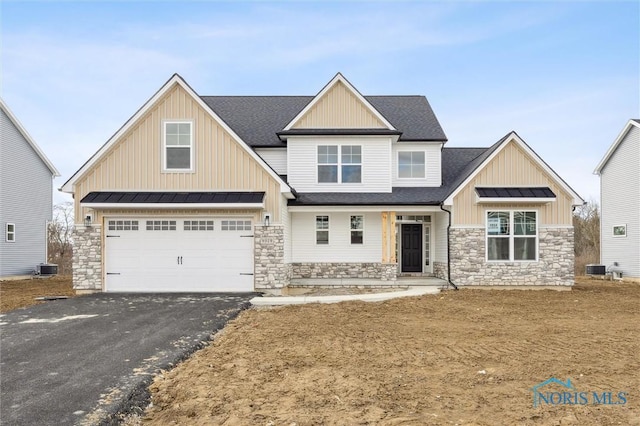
point(586, 223)
point(60, 241)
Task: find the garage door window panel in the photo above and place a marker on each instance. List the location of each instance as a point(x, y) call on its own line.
point(122, 225)
point(161, 225)
point(236, 225)
point(198, 225)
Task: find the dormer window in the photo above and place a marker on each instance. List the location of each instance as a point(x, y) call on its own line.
point(411, 165)
point(178, 146)
point(344, 168)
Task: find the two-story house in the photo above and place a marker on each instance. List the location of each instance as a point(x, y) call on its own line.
point(619, 172)
point(26, 197)
point(242, 193)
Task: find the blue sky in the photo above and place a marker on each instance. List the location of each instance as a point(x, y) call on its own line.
point(564, 74)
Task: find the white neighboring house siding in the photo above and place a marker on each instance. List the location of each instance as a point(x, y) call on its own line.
point(376, 164)
point(26, 187)
point(433, 161)
point(339, 249)
point(620, 204)
point(274, 157)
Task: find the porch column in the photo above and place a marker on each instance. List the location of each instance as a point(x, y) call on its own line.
point(388, 237)
point(385, 246)
point(392, 244)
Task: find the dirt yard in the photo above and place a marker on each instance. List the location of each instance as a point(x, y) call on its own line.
point(469, 357)
point(22, 293)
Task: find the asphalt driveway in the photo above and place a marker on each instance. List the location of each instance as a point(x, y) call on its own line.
point(80, 360)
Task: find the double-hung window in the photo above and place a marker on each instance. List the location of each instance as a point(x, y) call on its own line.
point(178, 145)
point(512, 236)
point(322, 229)
point(356, 227)
point(351, 163)
point(10, 233)
point(411, 164)
point(344, 168)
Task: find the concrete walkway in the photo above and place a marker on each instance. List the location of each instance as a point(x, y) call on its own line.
point(369, 297)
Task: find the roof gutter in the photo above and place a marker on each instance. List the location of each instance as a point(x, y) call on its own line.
point(448, 248)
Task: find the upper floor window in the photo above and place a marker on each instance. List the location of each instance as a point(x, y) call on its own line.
point(10, 233)
point(512, 236)
point(334, 168)
point(411, 164)
point(178, 145)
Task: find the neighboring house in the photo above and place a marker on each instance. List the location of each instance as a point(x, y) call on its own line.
point(26, 191)
point(236, 193)
point(619, 172)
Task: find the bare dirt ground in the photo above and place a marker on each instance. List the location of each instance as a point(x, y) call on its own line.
point(469, 357)
point(22, 293)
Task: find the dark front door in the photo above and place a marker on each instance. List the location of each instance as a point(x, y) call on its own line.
point(412, 248)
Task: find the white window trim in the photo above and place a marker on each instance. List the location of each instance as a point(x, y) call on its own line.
point(613, 234)
point(351, 230)
point(192, 148)
point(511, 236)
point(339, 164)
point(398, 165)
point(315, 229)
point(7, 232)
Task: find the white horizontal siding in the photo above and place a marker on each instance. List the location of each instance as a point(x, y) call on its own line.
point(433, 160)
point(376, 164)
point(339, 249)
point(620, 204)
point(274, 157)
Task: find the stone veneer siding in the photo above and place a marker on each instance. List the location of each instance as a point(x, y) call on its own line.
point(554, 266)
point(270, 271)
point(87, 259)
point(382, 271)
point(440, 270)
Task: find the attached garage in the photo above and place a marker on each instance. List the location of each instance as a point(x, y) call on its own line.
point(162, 253)
point(179, 254)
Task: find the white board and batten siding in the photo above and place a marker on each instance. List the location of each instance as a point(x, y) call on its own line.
point(620, 204)
point(440, 221)
point(26, 188)
point(274, 157)
point(339, 249)
point(376, 165)
point(432, 158)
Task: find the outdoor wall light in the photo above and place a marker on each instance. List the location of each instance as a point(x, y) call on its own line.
point(87, 220)
point(266, 218)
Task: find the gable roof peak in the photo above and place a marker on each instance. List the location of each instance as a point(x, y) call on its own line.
point(5, 108)
point(633, 122)
point(483, 159)
point(339, 78)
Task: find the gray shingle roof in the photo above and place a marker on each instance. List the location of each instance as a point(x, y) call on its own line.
point(455, 162)
point(258, 119)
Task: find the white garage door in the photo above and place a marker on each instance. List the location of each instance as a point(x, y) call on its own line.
point(179, 255)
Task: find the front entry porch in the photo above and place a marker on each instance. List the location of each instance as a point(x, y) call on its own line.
point(368, 282)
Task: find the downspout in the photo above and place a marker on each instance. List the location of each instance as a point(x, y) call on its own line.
point(448, 247)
